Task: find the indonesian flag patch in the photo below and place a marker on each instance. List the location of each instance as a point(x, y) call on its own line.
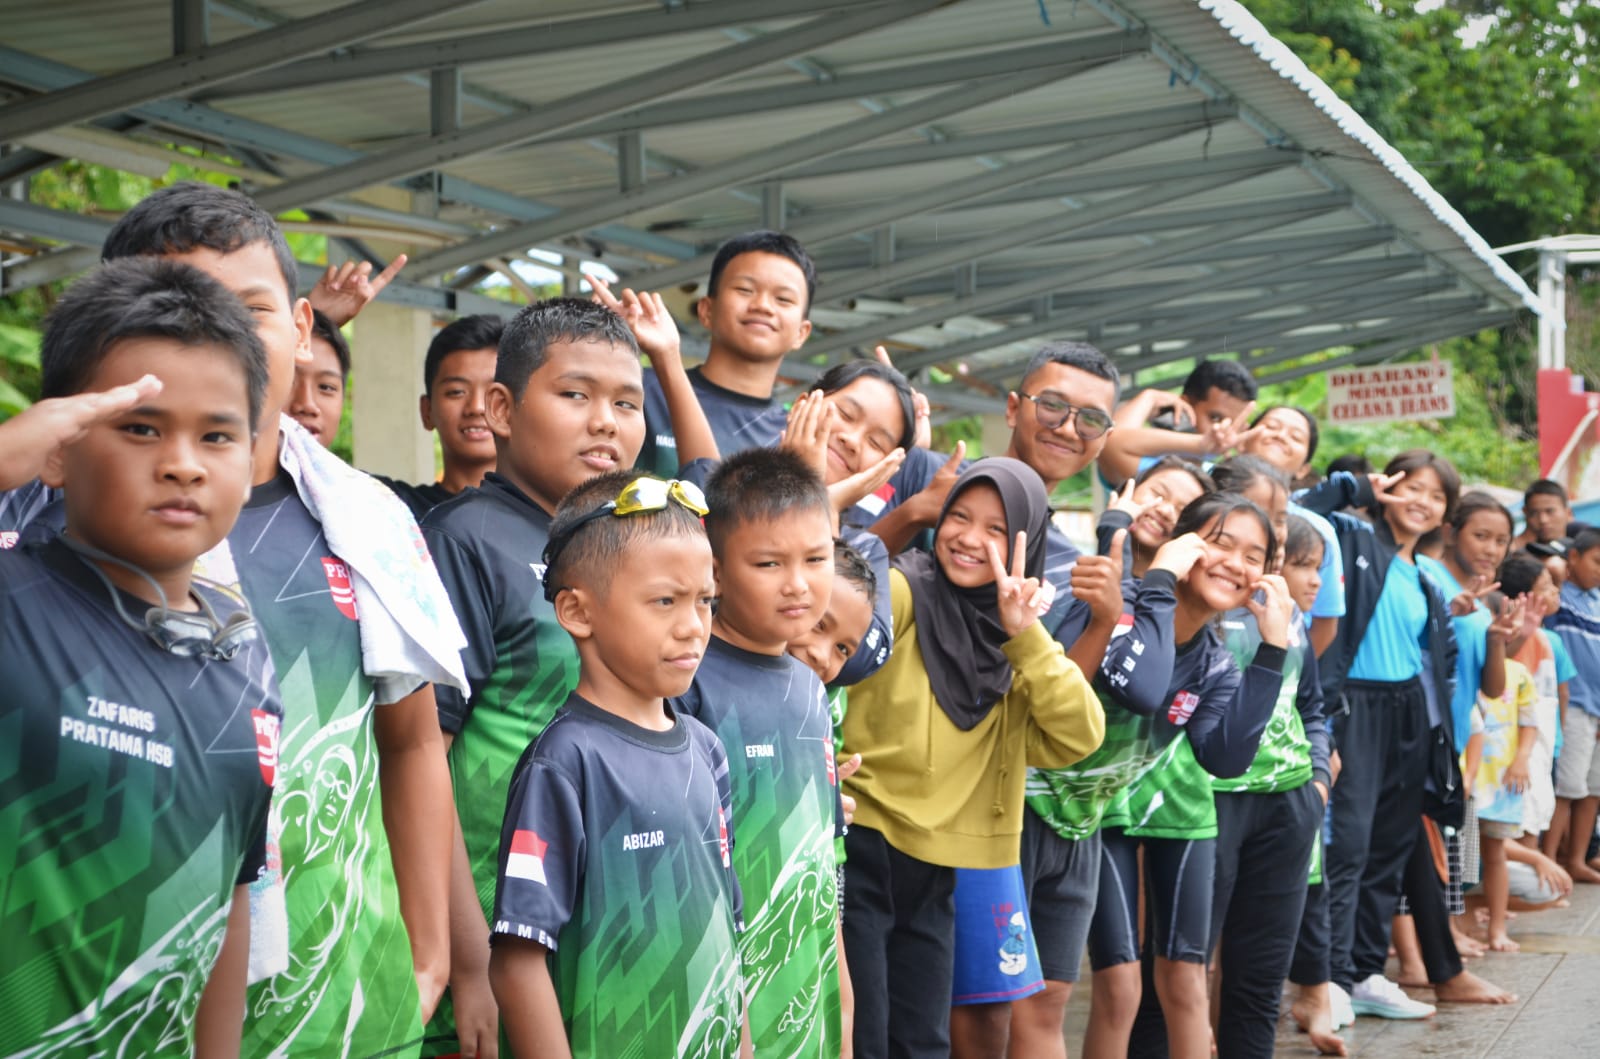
point(267, 728)
point(526, 860)
point(344, 594)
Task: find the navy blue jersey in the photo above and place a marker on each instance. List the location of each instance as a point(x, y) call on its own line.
point(616, 853)
point(421, 499)
point(134, 789)
point(738, 422)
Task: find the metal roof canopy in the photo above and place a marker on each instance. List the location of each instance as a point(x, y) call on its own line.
point(1159, 177)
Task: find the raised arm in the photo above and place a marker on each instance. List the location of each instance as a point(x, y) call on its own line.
point(31, 437)
point(657, 334)
point(1225, 731)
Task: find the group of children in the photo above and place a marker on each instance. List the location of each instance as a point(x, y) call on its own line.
point(672, 721)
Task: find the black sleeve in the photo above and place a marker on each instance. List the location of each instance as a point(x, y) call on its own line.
point(1339, 490)
point(1225, 731)
point(876, 645)
point(698, 471)
point(541, 856)
point(1137, 668)
point(1106, 531)
point(1308, 697)
point(255, 850)
point(473, 598)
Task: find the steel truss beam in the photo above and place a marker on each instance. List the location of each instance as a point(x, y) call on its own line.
point(1173, 121)
point(993, 278)
point(1367, 354)
point(820, 229)
point(981, 303)
point(85, 234)
point(216, 63)
point(740, 170)
point(543, 38)
point(569, 111)
point(1132, 176)
point(1105, 312)
point(244, 134)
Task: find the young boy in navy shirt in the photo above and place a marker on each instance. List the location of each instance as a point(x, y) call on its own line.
point(565, 406)
point(771, 534)
point(616, 908)
point(141, 726)
point(756, 308)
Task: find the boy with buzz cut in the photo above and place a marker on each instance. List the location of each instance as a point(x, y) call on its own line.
point(756, 307)
point(565, 406)
point(616, 907)
point(456, 375)
point(360, 630)
point(1546, 510)
point(1204, 422)
point(141, 728)
point(772, 541)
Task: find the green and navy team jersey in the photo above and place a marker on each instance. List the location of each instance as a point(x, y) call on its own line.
point(616, 854)
point(488, 544)
point(738, 422)
point(773, 719)
point(134, 791)
point(1153, 693)
point(349, 988)
point(1283, 763)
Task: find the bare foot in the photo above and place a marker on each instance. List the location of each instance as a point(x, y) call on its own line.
point(1314, 1015)
point(1468, 988)
point(1581, 872)
point(1468, 948)
point(1415, 976)
point(1502, 942)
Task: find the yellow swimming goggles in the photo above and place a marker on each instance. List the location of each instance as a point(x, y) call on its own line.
point(638, 496)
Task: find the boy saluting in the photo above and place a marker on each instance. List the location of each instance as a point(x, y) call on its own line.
point(616, 906)
point(139, 710)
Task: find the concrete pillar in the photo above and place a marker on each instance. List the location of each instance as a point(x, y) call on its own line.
point(996, 435)
point(387, 347)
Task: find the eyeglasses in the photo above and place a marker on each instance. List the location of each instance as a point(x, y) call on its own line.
point(1053, 411)
point(638, 496)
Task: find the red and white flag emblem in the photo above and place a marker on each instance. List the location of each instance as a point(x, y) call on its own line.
point(526, 859)
point(833, 775)
point(722, 836)
point(1182, 708)
point(267, 728)
point(9, 538)
point(344, 594)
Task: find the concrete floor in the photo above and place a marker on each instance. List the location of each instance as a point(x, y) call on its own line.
point(1556, 977)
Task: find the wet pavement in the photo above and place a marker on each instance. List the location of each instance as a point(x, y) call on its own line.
point(1556, 977)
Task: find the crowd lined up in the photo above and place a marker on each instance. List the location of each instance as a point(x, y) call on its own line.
point(673, 720)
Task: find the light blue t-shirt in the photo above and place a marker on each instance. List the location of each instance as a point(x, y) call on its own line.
point(1577, 623)
point(1565, 671)
point(1391, 649)
point(1472, 647)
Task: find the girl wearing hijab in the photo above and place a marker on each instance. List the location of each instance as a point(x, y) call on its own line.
point(975, 692)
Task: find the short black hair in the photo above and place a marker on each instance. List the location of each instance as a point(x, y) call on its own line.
point(1178, 463)
point(1238, 473)
point(146, 298)
point(324, 328)
point(841, 375)
point(1413, 460)
point(1219, 506)
point(1518, 574)
point(1229, 376)
point(1312, 434)
point(763, 241)
point(1080, 355)
point(850, 565)
point(1350, 463)
point(1302, 539)
point(1546, 487)
point(530, 334)
point(760, 485)
point(190, 215)
point(591, 555)
point(1585, 540)
point(479, 331)
point(1475, 501)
